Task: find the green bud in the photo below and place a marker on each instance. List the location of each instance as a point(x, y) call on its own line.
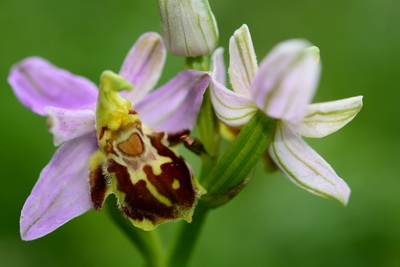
point(188, 26)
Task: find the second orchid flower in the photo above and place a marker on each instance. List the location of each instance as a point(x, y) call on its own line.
point(282, 87)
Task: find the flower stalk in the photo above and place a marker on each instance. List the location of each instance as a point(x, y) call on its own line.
point(148, 243)
point(187, 237)
point(242, 155)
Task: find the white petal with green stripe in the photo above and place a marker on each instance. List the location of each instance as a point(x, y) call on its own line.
point(231, 108)
point(243, 63)
point(304, 167)
point(325, 118)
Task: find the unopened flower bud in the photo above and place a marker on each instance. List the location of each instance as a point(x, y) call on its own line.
point(188, 26)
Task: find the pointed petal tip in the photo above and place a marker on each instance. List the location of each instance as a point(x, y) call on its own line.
point(243, 28)
point(219, 50)
point(305, 168)
point(29, 233)
point(154, 35)
point(359, 98)
point(342, 196)
point(243, 65)
point(313, 51)
point(143, 65)
point(28, 61)
point(322, 119)
point(62, 191)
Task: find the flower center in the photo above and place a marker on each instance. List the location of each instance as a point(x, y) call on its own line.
point(152, 183)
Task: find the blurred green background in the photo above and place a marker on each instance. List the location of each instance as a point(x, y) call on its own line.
point(272, 222)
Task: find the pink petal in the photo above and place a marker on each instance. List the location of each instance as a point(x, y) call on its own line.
point(174, 107)
point(287, 80)
point(143, 65)
point(37, 84)
point(62, 191)
point(66, 125)
point(219, 70)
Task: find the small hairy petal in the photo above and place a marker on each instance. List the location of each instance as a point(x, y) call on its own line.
point(232, 108)
point(287, 80)
point(66, 125)
point(143, 65)
point(243, 63)
point(323, 119)
point(174, 106)
point(37, 84)
point(219, 66)
point(62, 191)
point(304, 167)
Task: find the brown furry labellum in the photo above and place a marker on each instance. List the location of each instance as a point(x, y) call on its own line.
point(152, 183)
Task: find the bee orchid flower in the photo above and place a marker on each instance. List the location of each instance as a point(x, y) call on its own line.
point(115, 140)
point(282, 87)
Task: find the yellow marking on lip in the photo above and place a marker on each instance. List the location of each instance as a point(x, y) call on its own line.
point(153, 191)
point(176, 185)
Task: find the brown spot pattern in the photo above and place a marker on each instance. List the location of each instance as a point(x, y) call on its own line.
point(103, 130)
point(108, 147)
point(98, 188)
point(139, 203)
point(177, 169)
point(133, 146)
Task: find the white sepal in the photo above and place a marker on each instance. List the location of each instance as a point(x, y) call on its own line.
point(243, 63)
point(325, 118)
point(304, 167)
point(232, 108)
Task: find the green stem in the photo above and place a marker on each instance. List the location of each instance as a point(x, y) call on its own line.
point(207, 123)
point(188, 234)
point(198, 63)
point(187, 237)
point(242, 155)
point(148, 243)
point(208, 126)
